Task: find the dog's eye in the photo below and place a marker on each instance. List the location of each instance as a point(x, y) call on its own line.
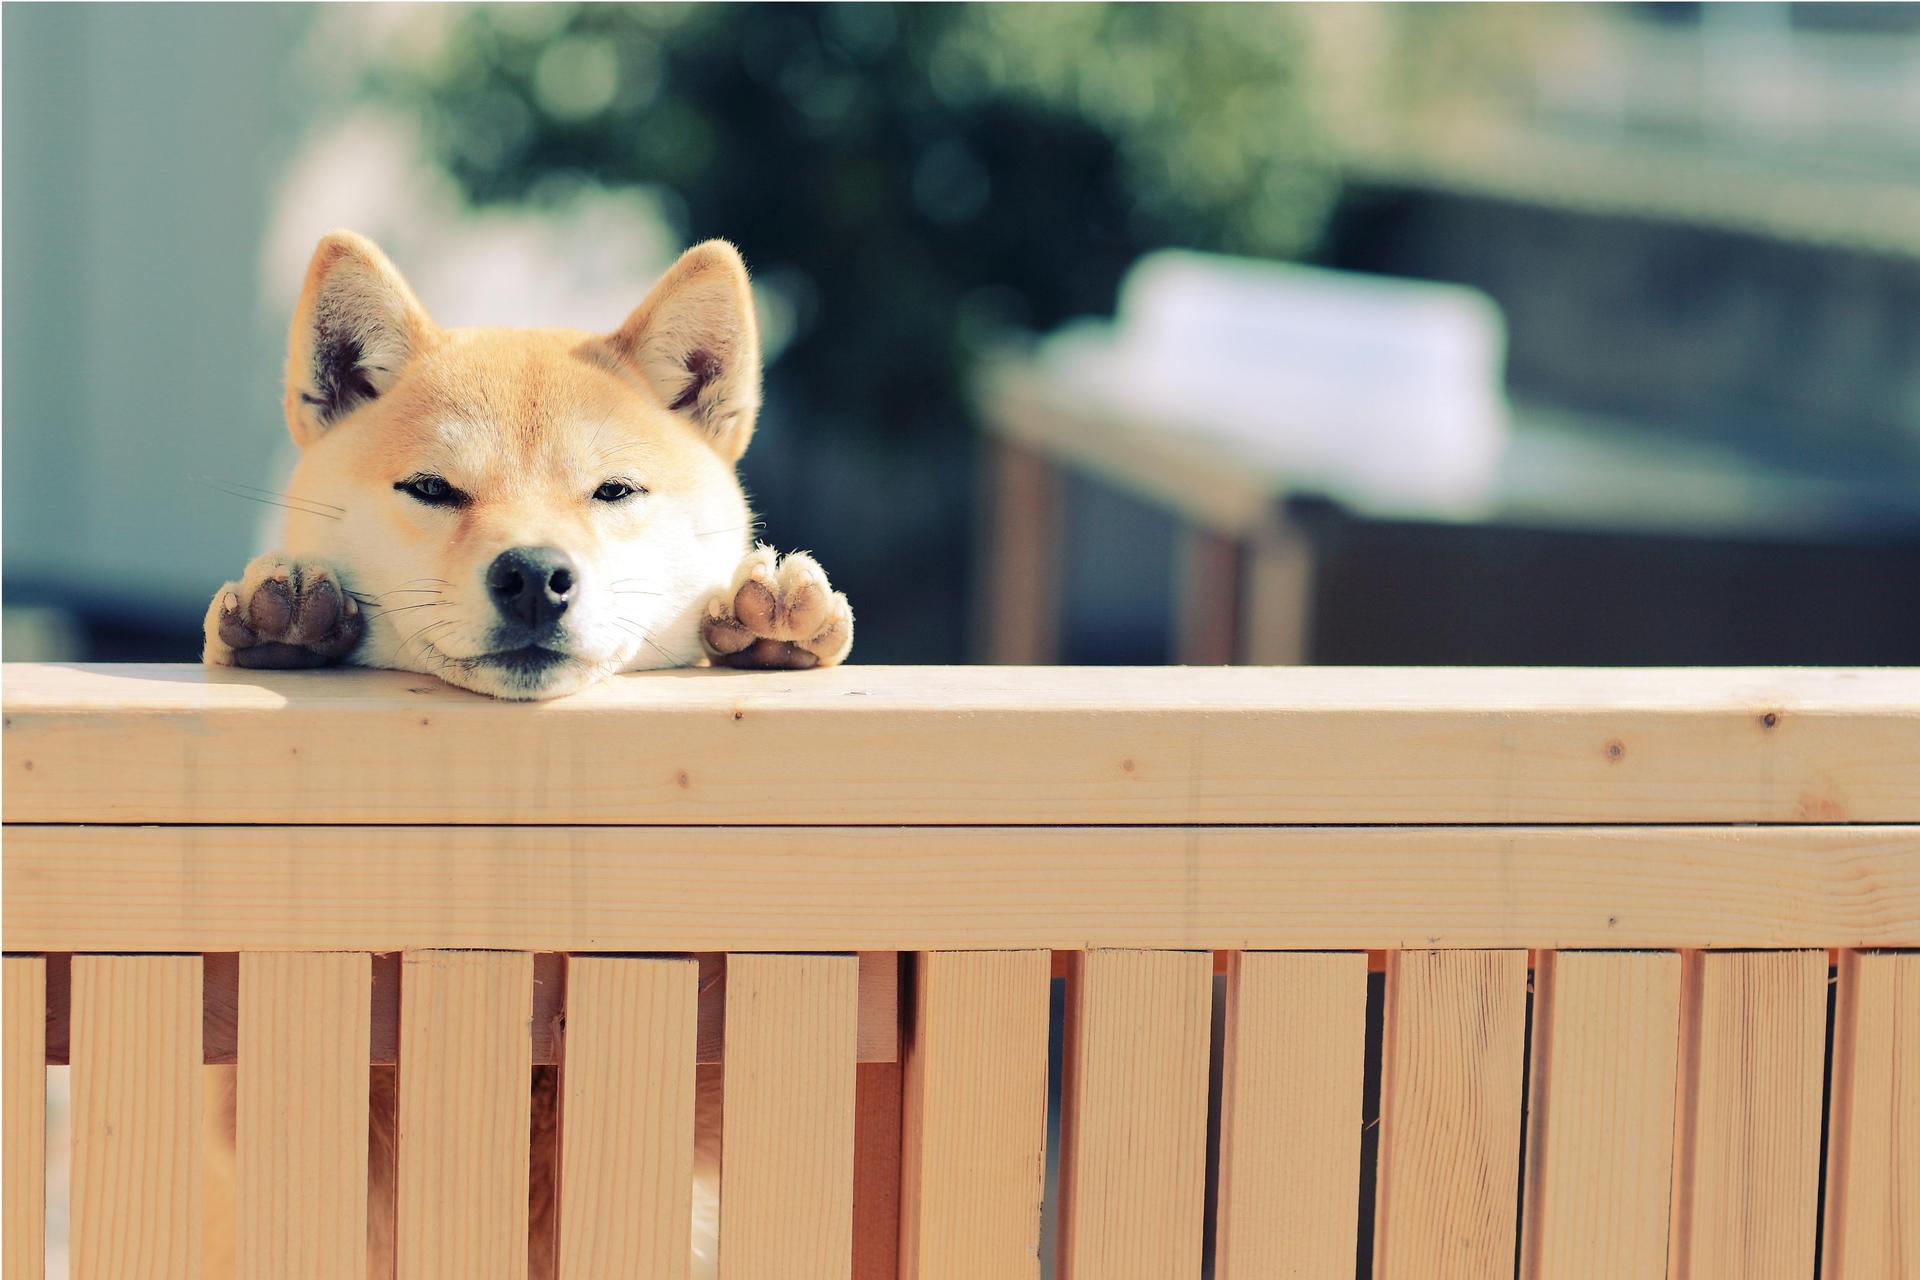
point(432, 490)
point(616, 491)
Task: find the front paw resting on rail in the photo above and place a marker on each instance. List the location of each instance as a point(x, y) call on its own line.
point(282, 613)
point(779, 611)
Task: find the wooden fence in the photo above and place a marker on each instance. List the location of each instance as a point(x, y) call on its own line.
point(1648, 1005)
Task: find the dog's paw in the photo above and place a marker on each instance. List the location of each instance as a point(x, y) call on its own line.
point(779, 611)
point(281, 614)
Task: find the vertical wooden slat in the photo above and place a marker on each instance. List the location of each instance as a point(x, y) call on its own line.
point(1606, 1045)
point(136, 1117)
point(626, 1111)
point(383, 1154)
point(466, 1065)
point(876, 1169)
point(1450, 1085)
point(1133, 1115)
point(1747, 1136)
point(24, 1246)
point(786, 1165)
point(976, 1116)
point(305, 1023)
point(1292, 1057)
point(1873, 1144)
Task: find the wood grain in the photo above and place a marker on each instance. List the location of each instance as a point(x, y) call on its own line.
point(879, 1008)
point(1450, 1100)
point(627, 1113)
point(301, 1145)
point(136, 1118)
point(976, 1116)
point(786, 1181)
point(464, 1098)
point(1133, 1115)
point(1747, 1136)
point(1606, 1042)
point(901, 889)
point(23, 1247)
point(1292, 1061)
point(918, 745)
point(1873, 1151)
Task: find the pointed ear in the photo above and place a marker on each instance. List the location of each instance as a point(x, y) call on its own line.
point(694, 341)
point(356, 327)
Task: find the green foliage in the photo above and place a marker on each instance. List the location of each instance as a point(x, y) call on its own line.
point(906, 179)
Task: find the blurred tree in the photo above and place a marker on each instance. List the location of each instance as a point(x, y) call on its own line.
point(908, 183)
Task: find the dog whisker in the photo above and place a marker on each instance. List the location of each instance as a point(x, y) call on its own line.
point(274, 502)
point(635, 629)
point(424, 604)
point(402, 647)
point(229, 486)
point(369, 602)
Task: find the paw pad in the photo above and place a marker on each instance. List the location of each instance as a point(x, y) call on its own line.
point(282, 614)
point(779, 612)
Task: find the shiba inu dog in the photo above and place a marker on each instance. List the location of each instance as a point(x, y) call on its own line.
point(521, 512)
point(518, 512)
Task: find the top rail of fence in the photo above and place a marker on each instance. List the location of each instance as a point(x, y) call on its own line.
point(969, 746)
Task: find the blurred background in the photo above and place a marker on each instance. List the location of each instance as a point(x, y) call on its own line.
point(1097, 334)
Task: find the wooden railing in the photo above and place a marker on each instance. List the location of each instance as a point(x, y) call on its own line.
point(1606, 904)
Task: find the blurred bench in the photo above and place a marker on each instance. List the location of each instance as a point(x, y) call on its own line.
point(1259, 405)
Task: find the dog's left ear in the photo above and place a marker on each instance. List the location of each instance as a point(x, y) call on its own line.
point(695, 343)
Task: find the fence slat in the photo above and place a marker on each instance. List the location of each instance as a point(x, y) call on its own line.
point(465, 1073)
point(1606, 1044)
point(1133, 1115)
point(24, 1248)
point(976, 1116)
point(301, 1118)
point(626, 1111)
point(876, 1166)
point(1292, 1058)
point(1450, 1103)
point(1747, 1137)
point(1873, 1148)
point(136, 1118)
point(786, 1181)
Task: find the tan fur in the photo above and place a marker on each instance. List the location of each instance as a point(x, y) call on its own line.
point(528, 423)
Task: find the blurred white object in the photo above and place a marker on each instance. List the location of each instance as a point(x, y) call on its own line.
point(1374, 391)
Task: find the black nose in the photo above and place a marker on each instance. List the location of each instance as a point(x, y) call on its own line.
point(532, 585)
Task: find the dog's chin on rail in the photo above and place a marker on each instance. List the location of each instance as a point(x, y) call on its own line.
point(531, 673)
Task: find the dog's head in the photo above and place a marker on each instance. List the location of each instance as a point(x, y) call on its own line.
point(521, 511)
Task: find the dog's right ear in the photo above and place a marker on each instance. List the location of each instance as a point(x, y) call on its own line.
point(356, 327)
